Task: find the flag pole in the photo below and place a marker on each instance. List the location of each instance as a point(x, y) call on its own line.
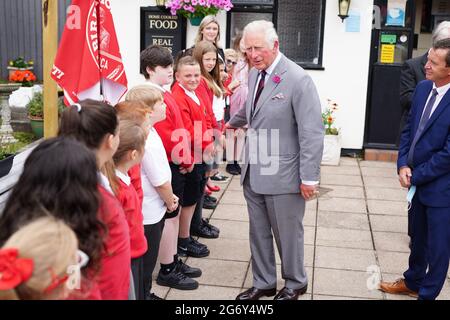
point(50, 46)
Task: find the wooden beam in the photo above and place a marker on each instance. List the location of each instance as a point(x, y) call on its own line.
point(50, 46)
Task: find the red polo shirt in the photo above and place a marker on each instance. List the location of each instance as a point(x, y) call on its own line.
point(132, 208)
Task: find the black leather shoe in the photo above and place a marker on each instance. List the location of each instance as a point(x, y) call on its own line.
point(205, 231)
point(206, 221)
point(188, 271)
point(290, 294)
point(210, 198)
point(255, 293)
point(193, 249)
point(233, 169)
point(209, 204)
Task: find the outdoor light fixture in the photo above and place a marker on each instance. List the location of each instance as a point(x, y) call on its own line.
point(160, 3)
point(344, 5)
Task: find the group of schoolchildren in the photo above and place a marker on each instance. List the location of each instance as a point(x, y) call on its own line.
point(123, 186)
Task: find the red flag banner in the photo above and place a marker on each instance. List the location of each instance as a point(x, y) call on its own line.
point(88, 63)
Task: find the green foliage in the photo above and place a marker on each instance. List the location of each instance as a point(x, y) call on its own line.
point(7, 149)
point(328, 118)
point(36, 106)
point(21, 63)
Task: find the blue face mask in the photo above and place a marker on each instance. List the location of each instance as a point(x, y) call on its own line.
point(410, 196)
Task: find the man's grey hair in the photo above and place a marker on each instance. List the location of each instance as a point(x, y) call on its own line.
point(262, 26)
point(441, 32)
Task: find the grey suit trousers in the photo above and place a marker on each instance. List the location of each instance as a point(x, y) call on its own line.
point(280, 216)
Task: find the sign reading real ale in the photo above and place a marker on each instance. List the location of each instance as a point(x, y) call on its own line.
point(159, 27)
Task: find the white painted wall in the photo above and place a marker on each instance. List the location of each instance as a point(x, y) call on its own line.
point(345, 78)
point(345, 59)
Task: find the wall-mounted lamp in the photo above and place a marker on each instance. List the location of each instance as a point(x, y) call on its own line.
point(344, 5)
point(160, 3)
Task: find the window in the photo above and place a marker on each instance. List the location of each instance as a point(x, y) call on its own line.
point(299, 25)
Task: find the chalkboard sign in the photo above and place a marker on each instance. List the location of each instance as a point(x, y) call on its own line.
point(159, 27)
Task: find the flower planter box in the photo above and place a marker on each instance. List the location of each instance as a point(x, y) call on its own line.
point(12, 69)
point(331, 150)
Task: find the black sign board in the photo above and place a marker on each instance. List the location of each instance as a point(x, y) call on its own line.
point(159, 27)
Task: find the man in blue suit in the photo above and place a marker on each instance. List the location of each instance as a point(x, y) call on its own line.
point(424, 168)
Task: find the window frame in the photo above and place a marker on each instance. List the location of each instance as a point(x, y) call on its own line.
point(263, 8)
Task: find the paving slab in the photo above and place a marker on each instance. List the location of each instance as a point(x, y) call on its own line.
point(231, 229)
point(228, 249)
point(378, 164)
point(345, 170)
point(394, 194)
point(343, 283)
point(343, 205)
point(344, 258)
point(391, 241)
point(395, 208)
point(233, 197)
point(343, 220)
point(204, 292)
point(234, 212)
point(381, 182)
point(393, 262)
point(389, 223)
point(347, 161)
point(344, 238)
point(220, 272)
point(378, 172)
point(340, 180)
point(344, 192)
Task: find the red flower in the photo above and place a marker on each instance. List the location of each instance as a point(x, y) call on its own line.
point(276, 78)
point(13, 270)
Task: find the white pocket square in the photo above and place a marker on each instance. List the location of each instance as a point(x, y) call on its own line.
point(278, 96)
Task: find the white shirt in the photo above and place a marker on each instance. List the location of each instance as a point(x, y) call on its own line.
point(191, 94)
point(104, 182)
point(218, 108)
point(269, 71)
point(155, 172)
point(441, 91)
point(125, 178)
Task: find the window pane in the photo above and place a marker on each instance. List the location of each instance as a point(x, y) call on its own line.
point(240, 19)
point(299, 30)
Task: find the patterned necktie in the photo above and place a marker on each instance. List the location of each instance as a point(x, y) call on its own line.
point(423, 121)
point(259, 89)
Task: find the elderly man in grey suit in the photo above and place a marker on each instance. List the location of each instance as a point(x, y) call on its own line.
point(281, 169)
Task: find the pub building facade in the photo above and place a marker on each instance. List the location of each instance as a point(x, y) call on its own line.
point(354, 58)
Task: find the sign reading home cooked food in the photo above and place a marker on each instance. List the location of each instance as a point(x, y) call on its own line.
point(159, 27)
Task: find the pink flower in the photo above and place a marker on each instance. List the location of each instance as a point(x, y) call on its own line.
point(276, 78)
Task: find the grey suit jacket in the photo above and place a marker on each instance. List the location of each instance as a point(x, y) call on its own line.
point(284, 142)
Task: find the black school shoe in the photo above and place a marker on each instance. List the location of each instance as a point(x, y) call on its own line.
point(205, 231)
point(193, 249)
point(176, 280)
point(209, 204)
point(187, 270)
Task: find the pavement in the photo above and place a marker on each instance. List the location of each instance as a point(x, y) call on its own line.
point(355, 235)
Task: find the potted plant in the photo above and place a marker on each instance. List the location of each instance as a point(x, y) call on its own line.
point(196, 10)
point(36, 113)
point(332, 141)
point(19, 64)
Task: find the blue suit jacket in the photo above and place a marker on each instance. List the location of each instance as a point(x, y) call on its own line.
point(431, 161)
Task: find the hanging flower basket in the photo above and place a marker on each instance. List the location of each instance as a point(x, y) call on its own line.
point(196, 10)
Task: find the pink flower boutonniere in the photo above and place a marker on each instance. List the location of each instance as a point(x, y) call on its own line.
point(276, 78)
